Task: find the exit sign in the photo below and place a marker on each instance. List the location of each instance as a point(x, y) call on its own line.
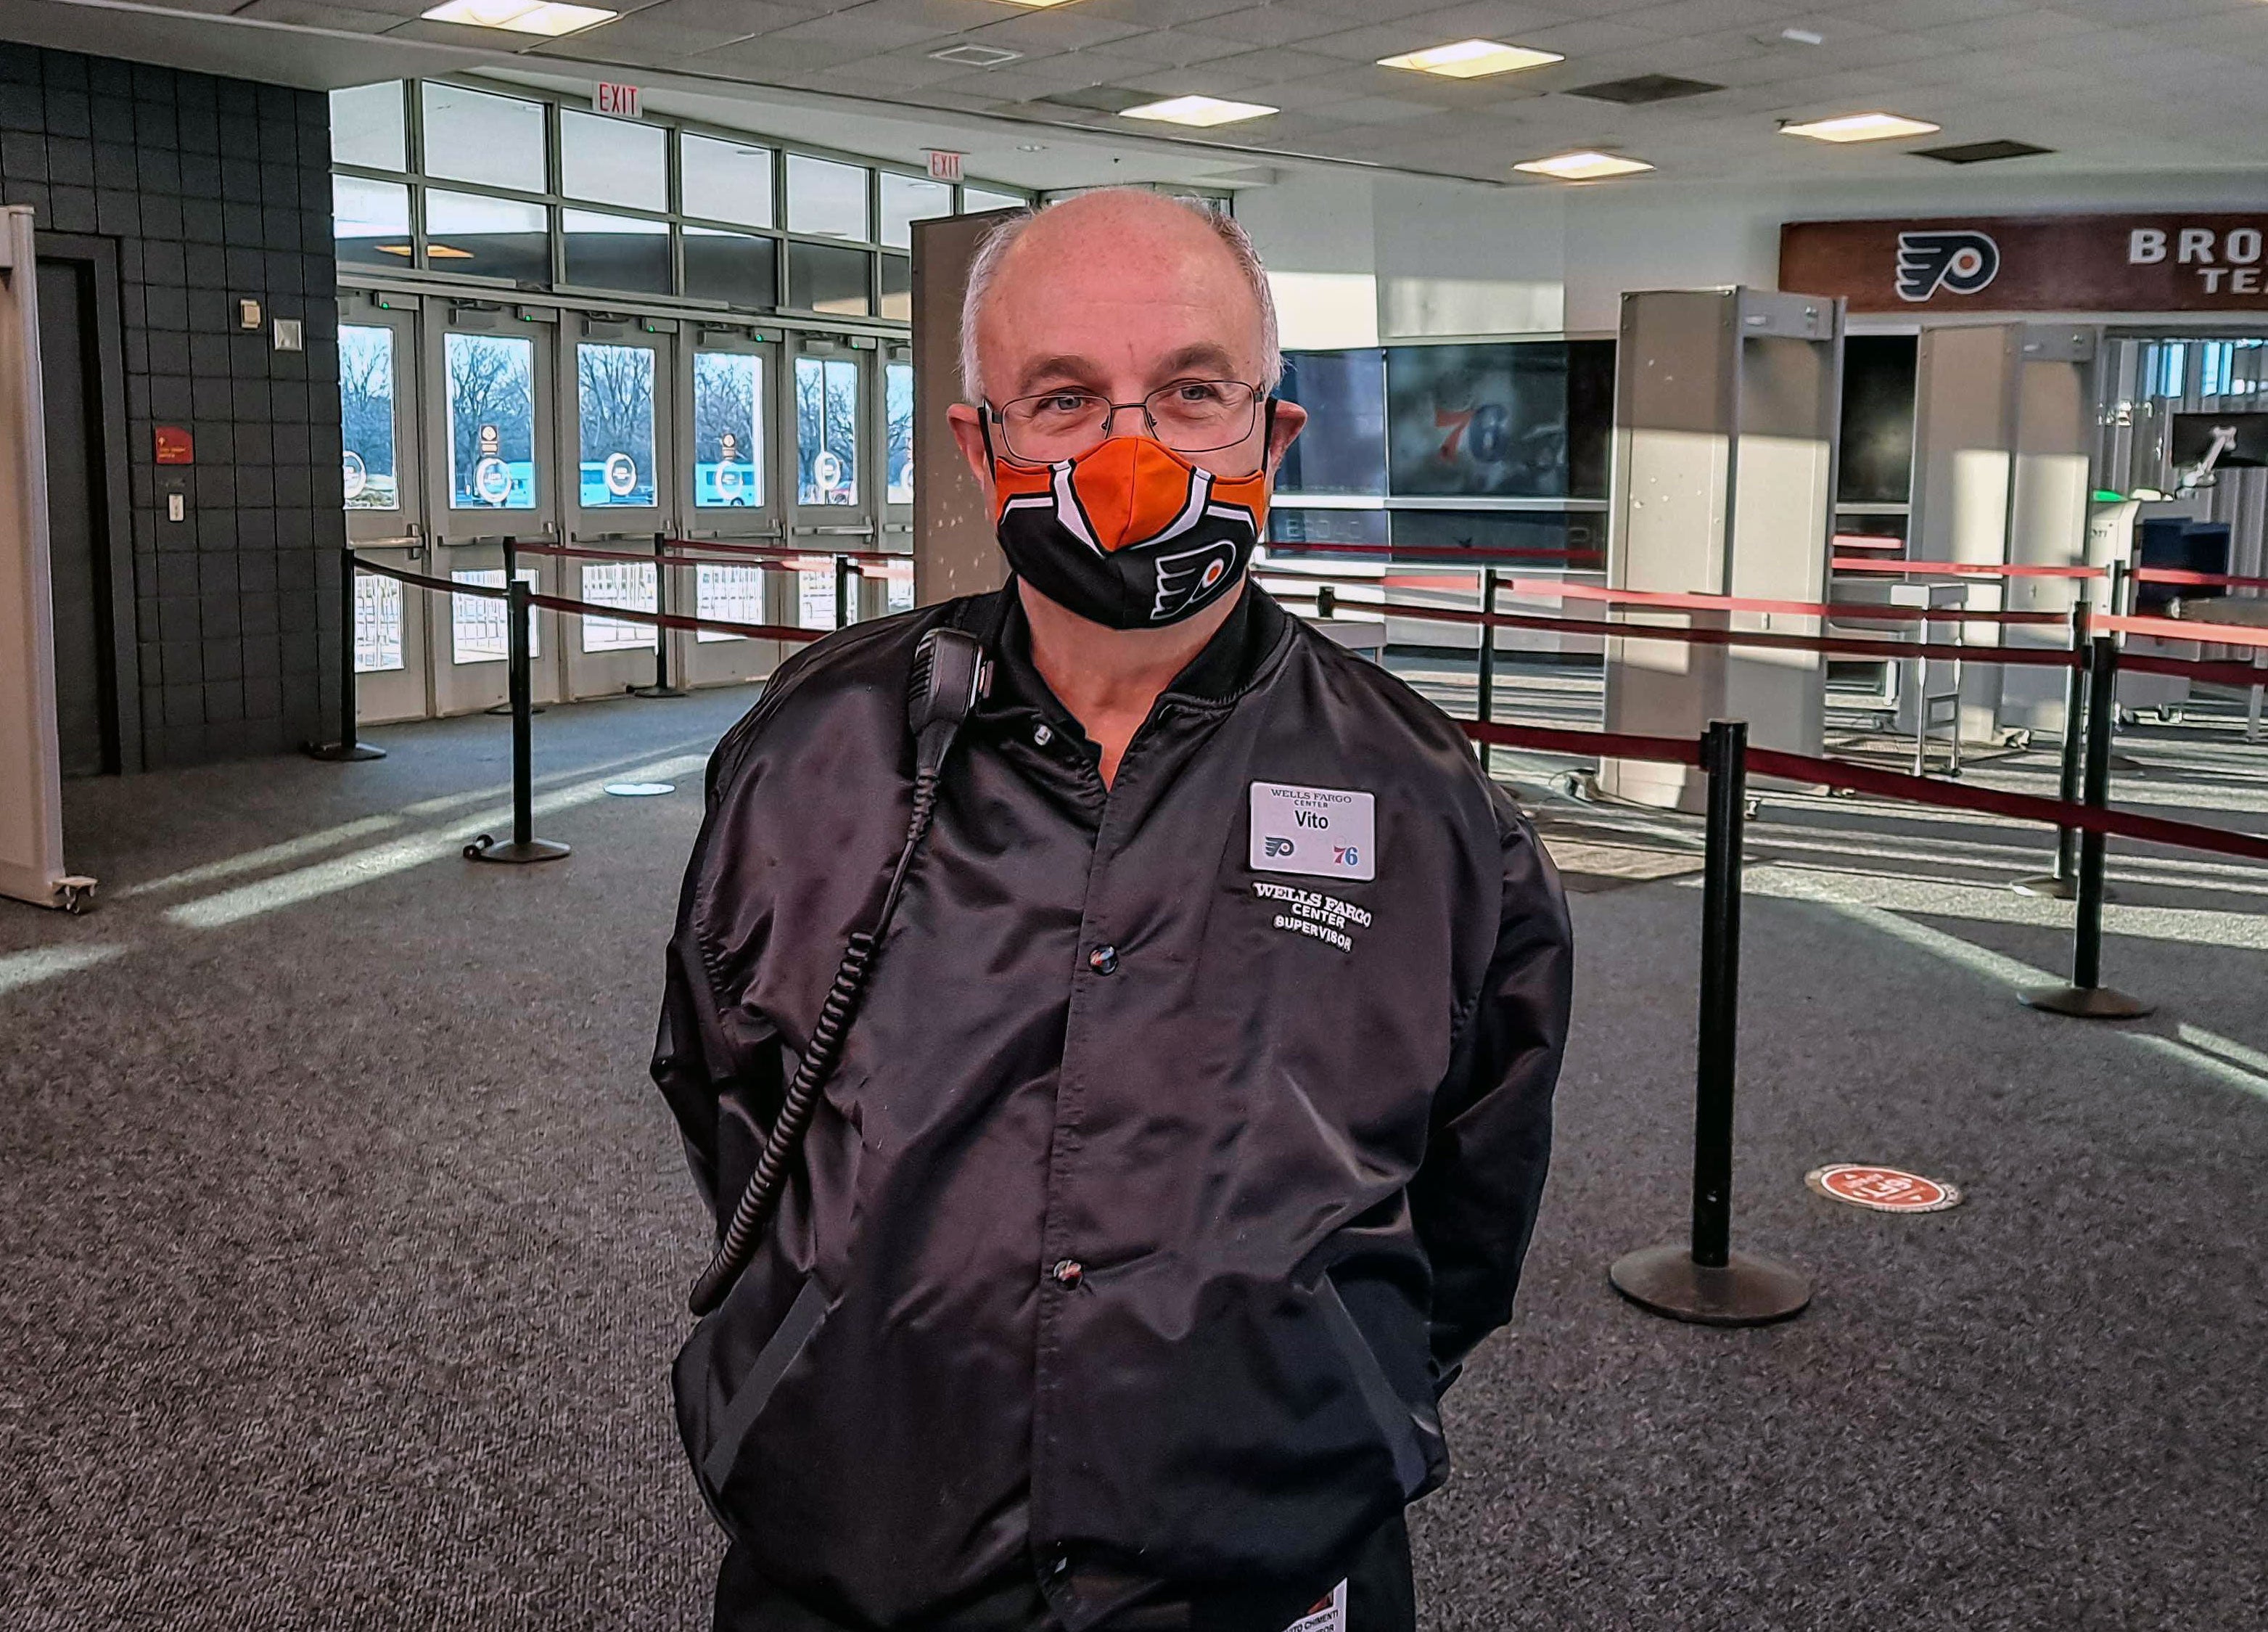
point(944, 166)
point(621, 100)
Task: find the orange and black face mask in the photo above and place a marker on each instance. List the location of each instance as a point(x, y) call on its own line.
point(1131, 536)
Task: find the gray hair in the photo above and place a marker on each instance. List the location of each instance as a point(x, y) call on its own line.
point(985, 265)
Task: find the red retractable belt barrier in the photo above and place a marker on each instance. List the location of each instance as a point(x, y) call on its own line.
point(2045, 657)
point(2022, 807)
point(2184, 629)
point(582, 552)
point(672, 620)
point(1683, 750)
point(776, 550)
point(1462, 554)
point(1612, 744)
point(447, 586)
point(2182, 575)
point(2225, 673)
point(1885, 784)
point(1961, 569)
point(1677, 601)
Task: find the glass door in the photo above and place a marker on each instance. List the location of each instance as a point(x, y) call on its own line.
point(833, 490)
point(489, 431)
point(732, 496)
point(619, 431)
point(890, 587)
point(385, 505)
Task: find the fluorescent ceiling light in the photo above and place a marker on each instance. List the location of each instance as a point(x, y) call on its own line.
point(1584, 167)
point(1198, 110)
point(1469, 59)
point(1860, 128)
point(522, 16)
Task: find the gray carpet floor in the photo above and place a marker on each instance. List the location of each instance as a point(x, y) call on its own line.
point(343, 1240)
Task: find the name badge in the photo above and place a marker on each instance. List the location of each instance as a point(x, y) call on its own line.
point(1325, 832)
point(1329, 1615)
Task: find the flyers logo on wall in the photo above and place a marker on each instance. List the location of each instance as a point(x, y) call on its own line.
point(2110, 263)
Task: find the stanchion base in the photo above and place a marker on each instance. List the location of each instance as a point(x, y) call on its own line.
point(2047, 885)
point(1746, 1292)
point(504, 709)
point(487, 849)
point(658, 691)
point(2088, 1003)
point(342, 753)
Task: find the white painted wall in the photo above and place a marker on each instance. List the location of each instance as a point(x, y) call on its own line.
point(1445, 258)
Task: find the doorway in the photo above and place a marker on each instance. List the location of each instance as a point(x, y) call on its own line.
point(98, 714)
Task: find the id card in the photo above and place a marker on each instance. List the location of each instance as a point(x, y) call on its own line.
point(1324, 832)
point(1327, 1616)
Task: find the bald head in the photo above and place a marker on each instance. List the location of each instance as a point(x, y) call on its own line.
point(1104, 275)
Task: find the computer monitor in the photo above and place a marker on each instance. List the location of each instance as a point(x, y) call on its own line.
point(2242, 438)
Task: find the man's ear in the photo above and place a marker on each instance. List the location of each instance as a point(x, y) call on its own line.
point(970, 435)
point(1286, 420)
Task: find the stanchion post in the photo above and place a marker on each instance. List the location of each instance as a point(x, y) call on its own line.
point(2063, 884)
point(1484, 707)
point(843, 592)
point(511, 545)
point(1704, 1280)
point(2086, 998)
point(661, 686)
point(525, 846)
point(346, 747)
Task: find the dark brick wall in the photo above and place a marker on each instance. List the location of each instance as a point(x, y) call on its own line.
point(215, 191)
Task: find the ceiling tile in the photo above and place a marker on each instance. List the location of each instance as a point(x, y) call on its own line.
point(1267, 25)
point(1160, 13)
point(775, 60)
point(1168, 47)
point(345, 19)
point(1069, 29)
point(1685, 17)
point(868, 34)
point(735, 18)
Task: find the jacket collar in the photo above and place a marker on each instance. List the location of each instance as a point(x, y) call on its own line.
point(1226, 667)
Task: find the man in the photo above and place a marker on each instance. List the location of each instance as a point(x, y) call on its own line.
point(1189, 1131)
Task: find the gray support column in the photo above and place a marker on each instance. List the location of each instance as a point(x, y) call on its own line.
point(953, 550)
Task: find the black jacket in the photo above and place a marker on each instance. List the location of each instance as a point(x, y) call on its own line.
point(1160, 1190)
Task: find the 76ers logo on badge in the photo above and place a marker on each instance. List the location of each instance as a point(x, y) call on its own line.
point(1961, 264)
point(1191, 575)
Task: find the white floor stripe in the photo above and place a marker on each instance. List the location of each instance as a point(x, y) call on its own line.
point(399, 855)
point(34, 964)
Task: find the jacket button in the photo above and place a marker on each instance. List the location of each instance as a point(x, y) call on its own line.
point(1104, 960)
point(1041, 735)
point(1067, 1272)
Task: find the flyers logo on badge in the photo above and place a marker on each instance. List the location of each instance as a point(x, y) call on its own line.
point(1327, 1616)
point(1324, 832)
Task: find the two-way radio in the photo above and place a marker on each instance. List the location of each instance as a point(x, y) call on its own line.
point(950, 675)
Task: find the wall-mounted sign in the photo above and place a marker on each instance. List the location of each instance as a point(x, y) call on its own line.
point(619, 100)
point(2168, 262)
point(174, 446)
point(944, 166)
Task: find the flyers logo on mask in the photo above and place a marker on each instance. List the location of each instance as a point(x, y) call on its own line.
point(1130, 535)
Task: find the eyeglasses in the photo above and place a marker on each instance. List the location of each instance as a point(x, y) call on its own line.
point(1189, 415)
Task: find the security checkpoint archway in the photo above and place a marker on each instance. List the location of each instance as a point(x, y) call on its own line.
point(1726, 412)
point(2004, 435)
point(31, 778)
